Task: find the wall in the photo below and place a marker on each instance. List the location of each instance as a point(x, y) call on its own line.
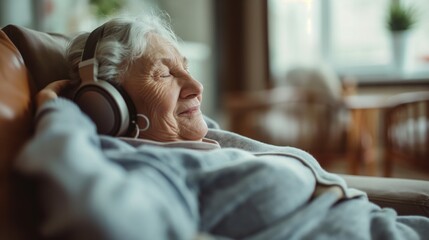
point(9, 10)
point(192, 20)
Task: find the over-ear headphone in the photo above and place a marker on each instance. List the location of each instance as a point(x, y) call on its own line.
point(107, 106)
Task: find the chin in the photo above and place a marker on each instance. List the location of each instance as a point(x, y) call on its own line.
point(196, 130)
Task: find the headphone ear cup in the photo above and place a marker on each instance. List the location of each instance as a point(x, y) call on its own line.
point(105, 106)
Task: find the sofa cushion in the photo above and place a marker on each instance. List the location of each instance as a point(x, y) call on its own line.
point(43, 54)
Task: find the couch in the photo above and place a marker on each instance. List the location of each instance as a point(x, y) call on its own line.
point(29, 60)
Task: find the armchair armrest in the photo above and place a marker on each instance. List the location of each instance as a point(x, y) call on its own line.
point(406, 196)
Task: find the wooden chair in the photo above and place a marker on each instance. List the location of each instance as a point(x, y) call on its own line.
point(406, 131)
point(290, 116)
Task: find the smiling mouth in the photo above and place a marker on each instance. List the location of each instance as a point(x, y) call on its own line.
point(190, 111)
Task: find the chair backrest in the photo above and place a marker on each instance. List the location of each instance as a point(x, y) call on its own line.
point(406, 130)
point(29, 60)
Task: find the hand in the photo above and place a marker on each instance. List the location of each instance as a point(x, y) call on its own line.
point(51, 91)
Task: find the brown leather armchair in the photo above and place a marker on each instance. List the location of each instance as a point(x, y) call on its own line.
point(29, 60)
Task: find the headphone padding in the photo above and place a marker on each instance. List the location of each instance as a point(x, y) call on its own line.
point(103, 103)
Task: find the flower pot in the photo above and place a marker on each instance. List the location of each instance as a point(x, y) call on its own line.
point(400, 43)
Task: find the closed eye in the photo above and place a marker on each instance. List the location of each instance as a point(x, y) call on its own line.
point(166, 75)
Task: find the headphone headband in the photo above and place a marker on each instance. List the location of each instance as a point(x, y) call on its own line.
point(91, 43)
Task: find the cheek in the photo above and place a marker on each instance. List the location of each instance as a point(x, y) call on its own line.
point(153, 98)
point(159, 100)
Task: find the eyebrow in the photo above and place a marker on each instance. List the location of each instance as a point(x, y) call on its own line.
point(170, 60)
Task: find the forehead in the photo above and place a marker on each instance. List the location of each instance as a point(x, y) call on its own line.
point(160, 48)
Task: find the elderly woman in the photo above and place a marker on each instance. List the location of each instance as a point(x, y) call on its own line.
point(169, 175)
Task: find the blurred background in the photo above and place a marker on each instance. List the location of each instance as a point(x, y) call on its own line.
point(346, 80)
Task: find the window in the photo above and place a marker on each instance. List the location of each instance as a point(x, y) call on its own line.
point(350, 35)
point(357, 33)
point(294, 36)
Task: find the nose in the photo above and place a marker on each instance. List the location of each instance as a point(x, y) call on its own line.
point(191, 88)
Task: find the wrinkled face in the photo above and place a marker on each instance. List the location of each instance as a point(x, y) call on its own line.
point(161, 88)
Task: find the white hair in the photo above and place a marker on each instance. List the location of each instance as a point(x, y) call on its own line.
point(123, 41)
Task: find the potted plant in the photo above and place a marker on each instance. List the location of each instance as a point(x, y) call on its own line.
point(400, 20)
point(400, 17)
point(104, 8)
